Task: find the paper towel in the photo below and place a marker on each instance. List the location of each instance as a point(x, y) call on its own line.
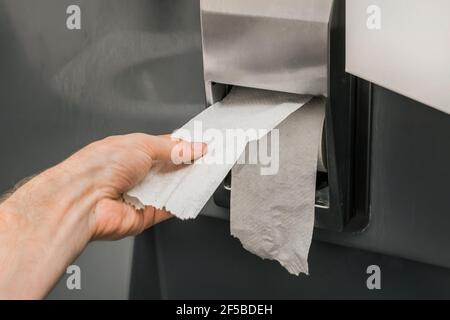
point(184, 190)
point(273, 216)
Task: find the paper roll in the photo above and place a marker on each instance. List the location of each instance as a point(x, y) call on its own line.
point(273, 216)
point(245, 115)
point(322, 161)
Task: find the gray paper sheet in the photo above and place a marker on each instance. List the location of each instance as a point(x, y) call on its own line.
point(273, 216)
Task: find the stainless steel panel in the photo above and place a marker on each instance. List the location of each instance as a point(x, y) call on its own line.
point(281, 46)
point(409, 54)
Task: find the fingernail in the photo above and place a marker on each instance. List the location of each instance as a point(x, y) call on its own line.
point(199, 148)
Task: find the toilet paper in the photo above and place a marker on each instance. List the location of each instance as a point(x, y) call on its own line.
point(272, 209)
point(244, 115)
point(273, 216)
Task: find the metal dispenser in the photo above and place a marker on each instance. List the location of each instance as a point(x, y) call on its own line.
point(296, 46)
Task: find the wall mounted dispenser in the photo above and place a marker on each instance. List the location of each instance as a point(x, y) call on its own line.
point(297, 46)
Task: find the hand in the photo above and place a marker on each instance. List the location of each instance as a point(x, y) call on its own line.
point(47, 223)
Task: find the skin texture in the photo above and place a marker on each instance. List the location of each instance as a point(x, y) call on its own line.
point(46, 223)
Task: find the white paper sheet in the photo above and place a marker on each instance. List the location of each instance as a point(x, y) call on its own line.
point(185, 190)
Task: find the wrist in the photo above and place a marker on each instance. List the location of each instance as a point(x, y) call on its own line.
point(17, 254)
point(44, 226)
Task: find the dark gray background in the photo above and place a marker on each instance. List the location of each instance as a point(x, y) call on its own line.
point(136, 66)
point(125, 71)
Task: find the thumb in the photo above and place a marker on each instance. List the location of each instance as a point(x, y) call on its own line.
point(166, 148)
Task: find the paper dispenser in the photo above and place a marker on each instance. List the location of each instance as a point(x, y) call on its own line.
point(297, 46)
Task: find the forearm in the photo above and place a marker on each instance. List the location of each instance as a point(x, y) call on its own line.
point(46, 223)
point(36, 248)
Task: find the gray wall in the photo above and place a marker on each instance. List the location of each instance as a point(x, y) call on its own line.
point(61, 89)
point(136, 66)
point(105, 272)
point(408, 235)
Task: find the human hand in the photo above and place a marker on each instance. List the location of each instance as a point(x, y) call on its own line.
point(119, 163)
point(46, 223)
